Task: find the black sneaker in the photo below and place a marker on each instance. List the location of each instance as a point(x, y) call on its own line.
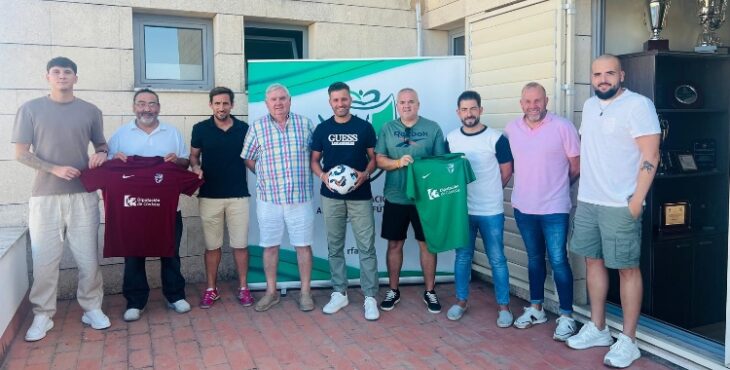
point(432, 302)
point(392, 296)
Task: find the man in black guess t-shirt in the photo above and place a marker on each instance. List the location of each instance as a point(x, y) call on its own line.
point(349, 140)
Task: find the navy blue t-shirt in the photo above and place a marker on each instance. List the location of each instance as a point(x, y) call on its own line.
point(345, 143)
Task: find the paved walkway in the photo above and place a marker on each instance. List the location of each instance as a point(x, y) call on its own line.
point(228, 336)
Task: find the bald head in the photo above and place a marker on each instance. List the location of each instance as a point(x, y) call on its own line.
point(608, 59)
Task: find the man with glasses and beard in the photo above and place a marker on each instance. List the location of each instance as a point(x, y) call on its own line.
point(400, 142)
point(490, 157)
point(619, 154)
point(146, 136)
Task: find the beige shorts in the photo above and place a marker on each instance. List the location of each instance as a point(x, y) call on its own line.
point(234, 211)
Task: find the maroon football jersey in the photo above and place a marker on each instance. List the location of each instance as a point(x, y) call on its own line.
point(140, 203)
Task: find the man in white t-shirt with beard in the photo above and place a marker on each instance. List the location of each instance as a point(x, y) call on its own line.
point(619, 154)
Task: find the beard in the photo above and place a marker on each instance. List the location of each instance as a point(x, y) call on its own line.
point(536, 117)
point(222, 116)
point(608, 94)
point(147, 120)
point(466, 123)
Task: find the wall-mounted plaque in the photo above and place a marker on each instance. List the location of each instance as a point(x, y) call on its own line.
point(687, 162)
point(675, 216)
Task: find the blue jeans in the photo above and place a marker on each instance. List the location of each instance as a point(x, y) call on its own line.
point(547, 232)
point(491, 228)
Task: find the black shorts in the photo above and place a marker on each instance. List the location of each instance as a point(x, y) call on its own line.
point(396, 218)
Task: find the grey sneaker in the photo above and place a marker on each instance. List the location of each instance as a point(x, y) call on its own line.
point(132, 314)
point(266, 302)
point(566, 328)
point(306, 302)
point(37, 331)
point(589, 336)
point(530, 317)
point(505, 319)
point(180, 306)
point(456, 312)
point(623, 353)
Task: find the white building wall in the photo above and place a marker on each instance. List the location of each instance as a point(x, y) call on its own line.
point(98, 36)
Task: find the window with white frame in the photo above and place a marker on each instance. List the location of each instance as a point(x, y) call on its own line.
point(173, 52)
point(457, 42)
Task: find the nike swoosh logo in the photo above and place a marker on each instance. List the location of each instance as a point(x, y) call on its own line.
point(127, 176)
point(426, 175)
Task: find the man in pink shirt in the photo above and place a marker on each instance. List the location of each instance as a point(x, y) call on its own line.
point(546, 153)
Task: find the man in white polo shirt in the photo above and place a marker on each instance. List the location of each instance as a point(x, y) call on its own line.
point(146, 136)
point(619, 154)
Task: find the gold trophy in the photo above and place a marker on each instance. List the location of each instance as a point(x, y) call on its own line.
point(656, 16)
point(712, 15)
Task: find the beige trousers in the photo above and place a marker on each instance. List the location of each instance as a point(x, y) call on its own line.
point(55, 219)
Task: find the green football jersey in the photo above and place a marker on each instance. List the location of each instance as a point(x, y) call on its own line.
point(437, 185)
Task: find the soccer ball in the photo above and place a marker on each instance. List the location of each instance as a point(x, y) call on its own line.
point(342, 179)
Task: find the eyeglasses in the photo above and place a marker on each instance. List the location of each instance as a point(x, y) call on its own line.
point(142, 104)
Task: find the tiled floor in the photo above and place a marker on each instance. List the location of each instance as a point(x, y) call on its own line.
point(228, 336)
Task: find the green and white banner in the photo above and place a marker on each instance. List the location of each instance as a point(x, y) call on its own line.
point(374, 84)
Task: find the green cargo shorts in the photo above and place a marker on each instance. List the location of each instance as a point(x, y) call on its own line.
point(607, 233)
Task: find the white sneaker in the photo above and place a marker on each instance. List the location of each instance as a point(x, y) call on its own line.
point(565, 329)
point(96, 319)
point(623, 353)
point(37, 331)
point(132, 314)
point(530, 317)
point(180, 306)
point(371, 309)
point(336, 303)
point(589, 336)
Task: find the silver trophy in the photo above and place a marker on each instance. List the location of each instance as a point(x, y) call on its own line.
point(657, 14)
point(712, 15)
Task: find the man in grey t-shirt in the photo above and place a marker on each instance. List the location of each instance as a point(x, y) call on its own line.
point(399, 142)
point(58, 128)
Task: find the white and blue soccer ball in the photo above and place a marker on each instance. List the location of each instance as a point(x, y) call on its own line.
point(342, 179)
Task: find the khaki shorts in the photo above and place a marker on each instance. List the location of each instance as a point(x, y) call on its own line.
point(234, 211)
point(607, 233)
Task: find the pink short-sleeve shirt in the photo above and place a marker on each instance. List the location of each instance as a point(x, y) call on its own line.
point(541, 177)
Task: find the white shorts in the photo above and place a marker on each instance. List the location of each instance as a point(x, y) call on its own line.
point(299, 220)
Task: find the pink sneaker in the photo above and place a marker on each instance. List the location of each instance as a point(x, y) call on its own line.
point(209, 297)
point(245, 297)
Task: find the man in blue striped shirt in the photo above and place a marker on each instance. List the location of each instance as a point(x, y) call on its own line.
point(276, 149)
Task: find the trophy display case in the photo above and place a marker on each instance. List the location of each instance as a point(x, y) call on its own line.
point(685, 220)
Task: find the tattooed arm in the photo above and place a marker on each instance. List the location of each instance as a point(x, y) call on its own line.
point(649, 148)
point(26, 157)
